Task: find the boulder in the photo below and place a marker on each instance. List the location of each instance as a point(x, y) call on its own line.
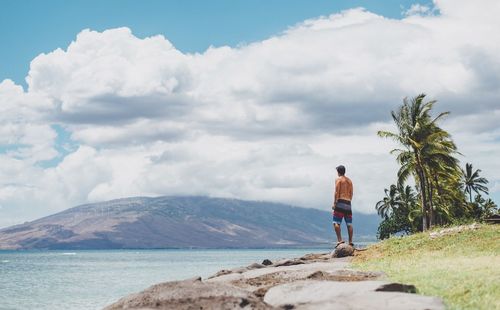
point(267, 262)
point(288, 262)
point(315, 257)
point(313, 294)
point(343, 250)
point(255, 266)
point(221, 273)
point(190, 294)
point(397, 287)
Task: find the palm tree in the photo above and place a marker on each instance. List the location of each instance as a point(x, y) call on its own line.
point(407, 198)
point(473, 182)
point(386, 206)
point(449, 198)
point(441, 167)
point(398, 210)
point(490, 207)
point(408, 207)
point(422, 141)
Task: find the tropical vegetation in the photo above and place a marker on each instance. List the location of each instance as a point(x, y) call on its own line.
point(431, 188)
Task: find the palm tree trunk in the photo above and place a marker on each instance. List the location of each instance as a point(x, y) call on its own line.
point(423, 192)
point(440, 196)
point(423, 197)
point(431, 211)
point(438, 220)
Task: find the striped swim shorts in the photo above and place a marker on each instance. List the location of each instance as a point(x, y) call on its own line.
point(339, 214)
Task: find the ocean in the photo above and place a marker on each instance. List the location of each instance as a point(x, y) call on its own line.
point(93, 279)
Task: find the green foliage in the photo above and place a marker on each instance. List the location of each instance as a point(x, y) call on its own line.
point(388, 203)
point(427, 150)
point(400, 211)
point(489, 208)
point(480, 208)
point(427, 154)
point(473, 182)
point(395, 224)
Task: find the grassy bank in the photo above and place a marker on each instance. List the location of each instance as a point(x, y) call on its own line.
point(461, 267)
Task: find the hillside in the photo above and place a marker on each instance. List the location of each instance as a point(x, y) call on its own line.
point(179, 222)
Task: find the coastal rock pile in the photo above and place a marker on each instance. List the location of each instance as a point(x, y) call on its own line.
point(314, 281)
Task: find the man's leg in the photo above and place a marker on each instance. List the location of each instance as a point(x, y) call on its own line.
point(349, 230)
point(348, 221)
point(337, 220)
point(337, 231)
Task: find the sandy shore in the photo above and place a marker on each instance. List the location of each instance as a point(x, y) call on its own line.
point(314, 281)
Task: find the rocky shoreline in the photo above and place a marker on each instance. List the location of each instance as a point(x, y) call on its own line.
point(314, 281)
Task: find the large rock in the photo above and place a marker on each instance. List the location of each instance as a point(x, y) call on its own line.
point(295, 271)
point(288, 262)
point(313, 294)
point(190, 294)
point(343, 250)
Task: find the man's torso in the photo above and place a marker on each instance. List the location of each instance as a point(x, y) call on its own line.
point(343, 193)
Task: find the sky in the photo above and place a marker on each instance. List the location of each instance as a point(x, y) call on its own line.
point(255, 100)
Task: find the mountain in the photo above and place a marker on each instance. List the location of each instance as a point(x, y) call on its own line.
point(180, 222)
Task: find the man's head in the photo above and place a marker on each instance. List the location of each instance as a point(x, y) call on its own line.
point(340, 170)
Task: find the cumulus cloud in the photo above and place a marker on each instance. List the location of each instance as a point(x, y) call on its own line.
point(310, 78)
point(23, 133)
point(267, 121)
point(418, 9)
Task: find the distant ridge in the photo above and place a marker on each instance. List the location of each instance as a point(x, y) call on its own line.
point(180, 222)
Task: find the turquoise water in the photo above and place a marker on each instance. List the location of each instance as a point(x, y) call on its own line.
point(94, 279)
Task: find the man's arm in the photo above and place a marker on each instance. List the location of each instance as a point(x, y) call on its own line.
point(352, 190)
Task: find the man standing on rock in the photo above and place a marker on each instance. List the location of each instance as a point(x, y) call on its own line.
point(342, 205)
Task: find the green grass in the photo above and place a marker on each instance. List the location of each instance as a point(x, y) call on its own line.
point(462, 268)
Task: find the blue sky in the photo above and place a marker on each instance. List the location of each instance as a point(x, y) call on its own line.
point(28, 28)
point(287, 91)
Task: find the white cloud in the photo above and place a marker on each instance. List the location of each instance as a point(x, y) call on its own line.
point(418, 9)
point(265, 121)
point(22, 126)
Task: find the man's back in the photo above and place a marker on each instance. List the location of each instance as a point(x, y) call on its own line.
point(343, 188)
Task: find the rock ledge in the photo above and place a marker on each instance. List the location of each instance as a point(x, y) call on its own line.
point(314, 281)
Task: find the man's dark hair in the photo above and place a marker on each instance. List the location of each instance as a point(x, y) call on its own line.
point(341, 170)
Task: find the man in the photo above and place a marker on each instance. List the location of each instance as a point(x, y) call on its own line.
point(342, 205)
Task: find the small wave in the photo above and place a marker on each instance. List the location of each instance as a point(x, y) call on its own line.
point(5, 261)
point(68, 253)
